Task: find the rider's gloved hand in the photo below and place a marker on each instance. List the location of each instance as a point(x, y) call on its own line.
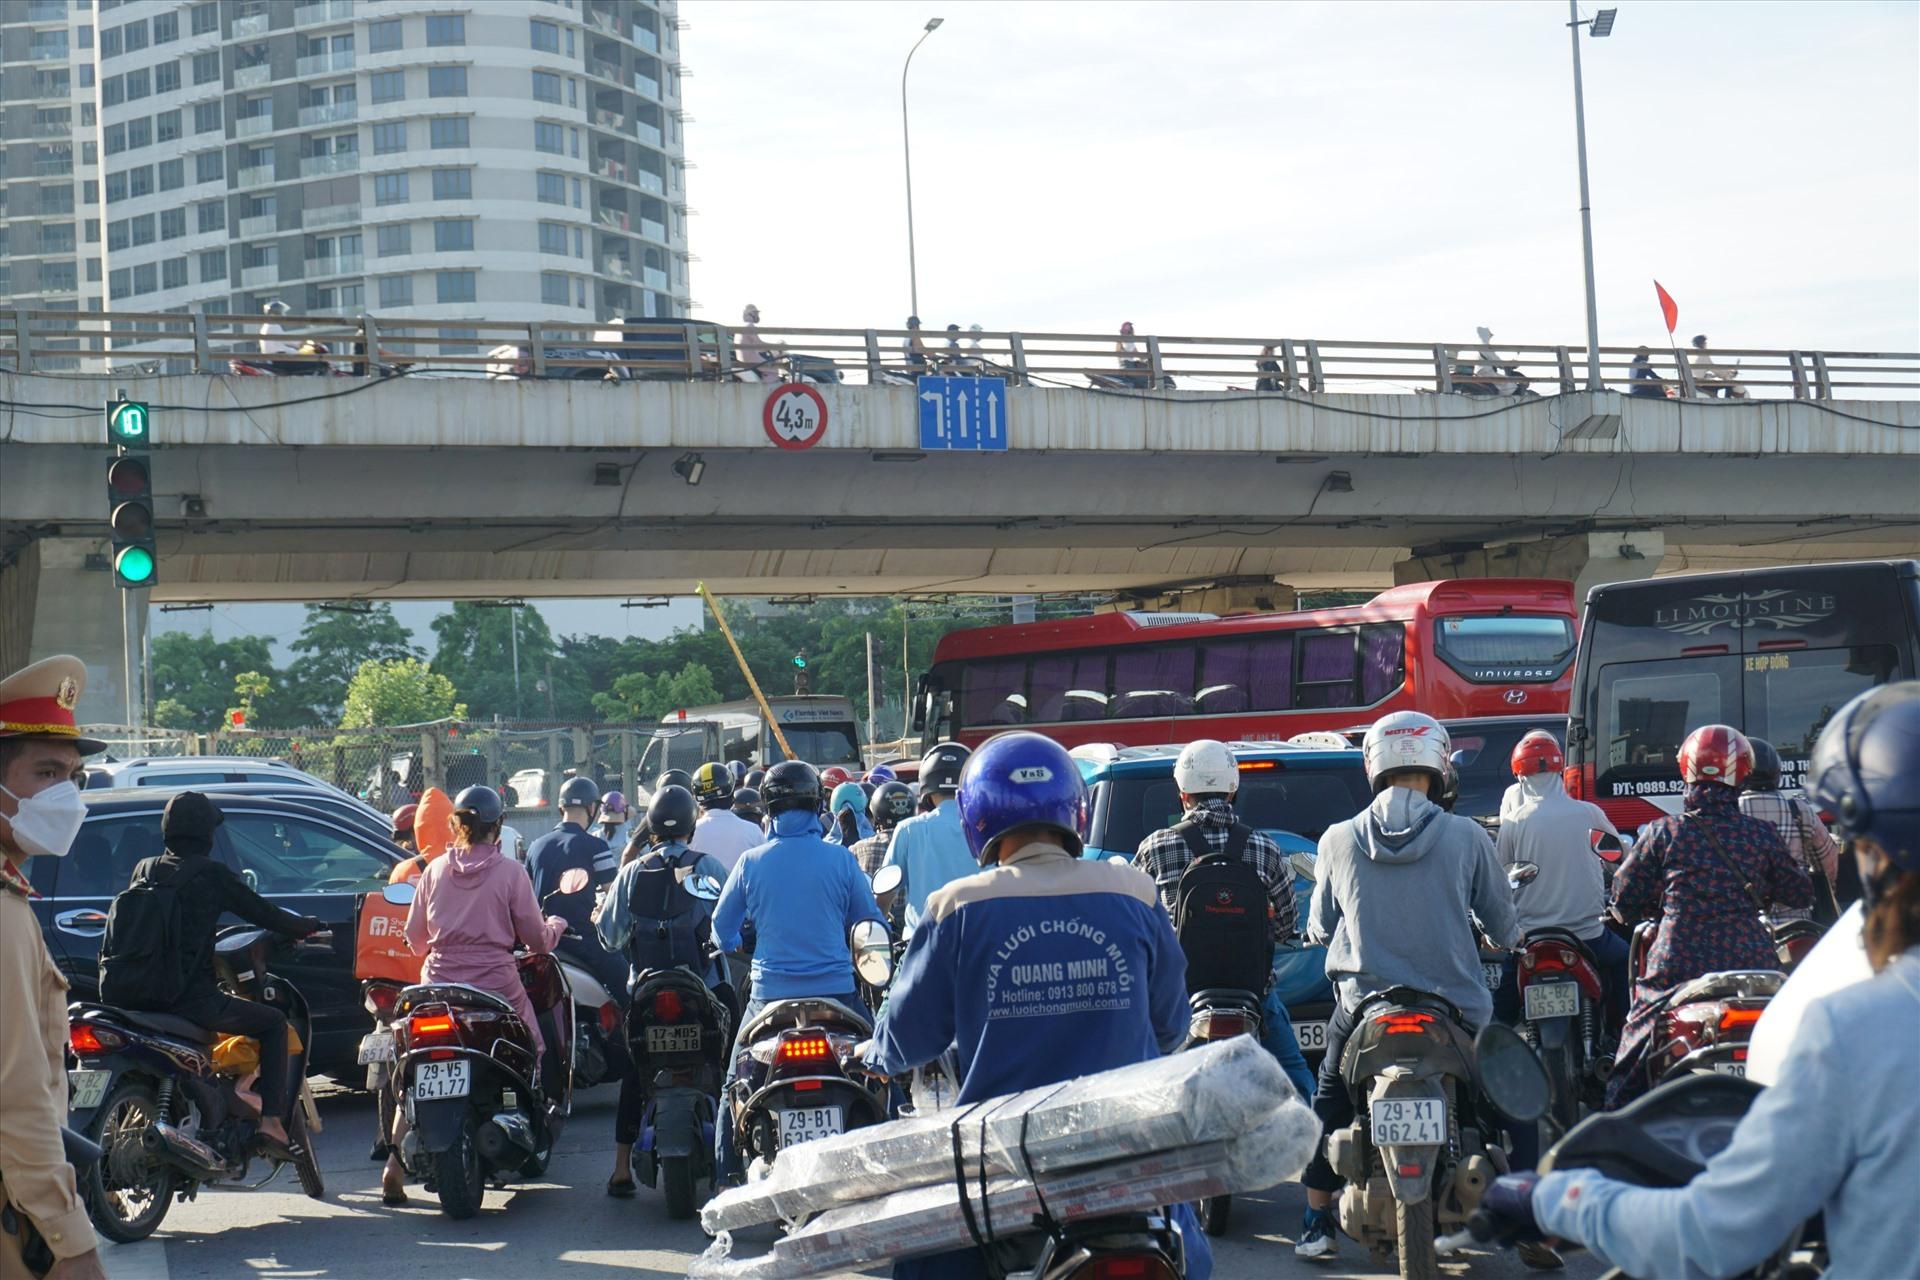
point(1508, 1206)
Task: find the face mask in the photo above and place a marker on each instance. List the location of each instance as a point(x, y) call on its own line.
point(48, 820)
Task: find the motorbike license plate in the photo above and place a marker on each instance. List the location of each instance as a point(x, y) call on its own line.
point(1738, 1069)
point(673, 1039)
point(810, 1124)
point(1417, 1122)
point(436, 1080)
point(376, 1046)
point(1492, 974)
point(89, 1088)
point(1311, 1035)
point(1553, 1000)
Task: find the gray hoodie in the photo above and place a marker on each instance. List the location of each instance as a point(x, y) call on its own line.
point(1390, 901)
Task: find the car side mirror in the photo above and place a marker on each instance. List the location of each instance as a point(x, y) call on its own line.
point(399, 895)
point(1607, 845)
point(1511, 1074)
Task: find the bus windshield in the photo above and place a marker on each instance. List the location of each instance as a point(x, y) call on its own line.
point(1506, 648)
point(818, 744)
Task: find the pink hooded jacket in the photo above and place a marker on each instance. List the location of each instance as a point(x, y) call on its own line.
point(469, 909)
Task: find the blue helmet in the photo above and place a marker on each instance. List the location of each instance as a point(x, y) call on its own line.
point(848, 795)
point(882, 773)
point(1865, 770)
point(737, 770)
point(1020, 780)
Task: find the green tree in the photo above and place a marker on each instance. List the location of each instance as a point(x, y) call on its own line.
point(334, 640)
point(476, 651)
point(639, 696)
point(398, 691)
point(193, 677)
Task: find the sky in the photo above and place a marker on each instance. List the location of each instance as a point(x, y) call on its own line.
point(1390, 172)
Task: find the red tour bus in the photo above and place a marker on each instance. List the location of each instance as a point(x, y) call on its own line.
point(1479, 647)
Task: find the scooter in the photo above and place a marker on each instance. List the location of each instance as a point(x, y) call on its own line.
point(165, 1103)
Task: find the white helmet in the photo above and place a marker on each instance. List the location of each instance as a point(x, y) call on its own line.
point(1407, 740)
point(1206, 768)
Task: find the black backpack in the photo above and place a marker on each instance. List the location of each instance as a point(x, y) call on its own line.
point(669, 927)
point(1222, 915)
point(144, 959)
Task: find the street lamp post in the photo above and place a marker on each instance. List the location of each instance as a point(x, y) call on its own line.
point(906, 142)
point(1602, 25)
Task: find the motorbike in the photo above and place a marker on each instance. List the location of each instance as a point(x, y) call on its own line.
point(804, 1081)
point(1704, 1024)
point(596, 1026)
point(164, 1101)
point(1220, 1013)
point(677, 1033)
point(1424, 1144)
point(1563, 1010)
point(481, 1105)
point(1143, 1245)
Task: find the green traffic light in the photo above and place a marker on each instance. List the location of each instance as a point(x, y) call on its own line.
point(127, 422)
point(134, 565)
point(800, 661)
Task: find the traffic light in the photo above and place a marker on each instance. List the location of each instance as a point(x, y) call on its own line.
point(136, 559)
point(799, 662)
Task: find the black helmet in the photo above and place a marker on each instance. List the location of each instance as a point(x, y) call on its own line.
point(754, 778)
point(940, 768)
point(674, 778)
point(791, 784)
point(579, 793)
point(483, 803)
point(1765, 774)
point(746, 804)
point(892, 802)
point(712, 785)
point(671, 813)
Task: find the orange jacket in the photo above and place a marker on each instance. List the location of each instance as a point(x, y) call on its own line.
point(432, 834)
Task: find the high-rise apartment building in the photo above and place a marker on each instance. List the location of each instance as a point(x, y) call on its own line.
point(452, 159)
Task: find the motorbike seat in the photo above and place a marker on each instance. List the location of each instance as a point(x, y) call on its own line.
point(1559, 935)
point(454, 993)
point(804, 1010)
point(165, 1024)
point(1750, 984)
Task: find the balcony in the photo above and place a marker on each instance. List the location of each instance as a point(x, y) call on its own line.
point(614, 218)
point(653, 230)
point(311, 15)
point(47, 53)
point(319, 64)
point(253, 126)
point(330, 113)
point(601, 21)
point(604, 70)
point(649, 134)
point(53, 168)
point(252, 77)
point(648, 180)
point(258, 176)
point(647, 85)
point(653, 278)
point(336, 162)
point(53, 129)
point(341, 264)
point(254, 277)
point(254, 24)
point(332, 215)
point(646, 39)
point(611, 169)
point(265, 224)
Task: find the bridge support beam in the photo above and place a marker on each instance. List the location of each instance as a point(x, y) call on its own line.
point(1585, 559)
point(1223, 598)
point(51, 602)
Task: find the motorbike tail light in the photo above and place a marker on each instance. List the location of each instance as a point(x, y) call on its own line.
point(1737, 1021)
point(609, 1018)
point(435, 1028)
point(808, 1046)
point(1130, 1266)
point(381, 1000)
point(1401, 1023)
point(90, 1041)
point(802, 1086)
point(1219, 1024)
point(667, 1006)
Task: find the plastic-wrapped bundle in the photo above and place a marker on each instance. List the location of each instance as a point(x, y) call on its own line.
point(929, 1219)
point(1205, 1094)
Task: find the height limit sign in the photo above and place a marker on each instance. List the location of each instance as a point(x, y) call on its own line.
point(795, 417)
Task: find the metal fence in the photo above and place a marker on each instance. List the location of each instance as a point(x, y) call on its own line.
point(686, 350)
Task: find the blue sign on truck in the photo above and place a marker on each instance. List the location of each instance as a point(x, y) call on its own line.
point(963, 413)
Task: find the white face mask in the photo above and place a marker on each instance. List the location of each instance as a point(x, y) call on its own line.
point(48, 820)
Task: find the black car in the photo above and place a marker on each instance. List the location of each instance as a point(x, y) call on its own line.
point(296, 856)
point(1483, 750)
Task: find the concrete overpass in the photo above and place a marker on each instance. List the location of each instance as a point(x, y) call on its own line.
point(321, 488)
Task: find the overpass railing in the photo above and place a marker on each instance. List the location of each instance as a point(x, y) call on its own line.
point(687, 350)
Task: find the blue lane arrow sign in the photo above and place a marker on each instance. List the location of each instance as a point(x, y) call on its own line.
point(963, 413)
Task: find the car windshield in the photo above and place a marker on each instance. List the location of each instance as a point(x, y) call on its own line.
point(1305, 799)
point(1485, 762)
point(818, 745)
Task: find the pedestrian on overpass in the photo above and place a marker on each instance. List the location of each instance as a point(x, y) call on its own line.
point(914, 347)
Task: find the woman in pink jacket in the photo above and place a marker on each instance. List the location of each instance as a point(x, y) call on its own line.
point(469, 910)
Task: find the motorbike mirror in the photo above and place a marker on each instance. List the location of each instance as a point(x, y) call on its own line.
point(1511, 1074)
point(887, 880)
point(873, 953)
point(1607, 845)
point(574, 879)
point(1303, 865)
point(705, 888)
point(1522, 873)
point(398, 894)
point(1461, 759)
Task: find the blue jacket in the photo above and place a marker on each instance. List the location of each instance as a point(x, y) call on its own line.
point(931, 851)
point(560, 850)
point(861, 823)
point(803, 895)
point(1044, 968)
point(1833, 1133)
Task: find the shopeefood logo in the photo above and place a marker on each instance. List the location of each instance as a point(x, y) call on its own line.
point(1779, 609)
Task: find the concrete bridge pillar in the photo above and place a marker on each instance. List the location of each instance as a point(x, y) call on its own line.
point(1585, 559)
point(51, 602)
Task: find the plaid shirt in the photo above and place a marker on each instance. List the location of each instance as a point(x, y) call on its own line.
point(1164, 855)
point(1801, 830)
point(872, 851)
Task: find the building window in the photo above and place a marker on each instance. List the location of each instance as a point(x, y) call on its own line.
point(173, 222)
point(446, 82)
point(116, 138)
point(394, 240)
point(206, 67)
point(93, 231)
point(93, 271)
point(166, 126)
point(550, 188)
point(573, 93)
point(142, 229)
point(173, 273)
point(204, 18)
point(212, 215)
point(452, 237)
point(119, 283)
point(453, 184)
point(453, 286)
point(546, 87)
point(448, 131)
point(206, 116)
point(213, 265)
point(389, 136)
point(145, 279)
point(136, 35)
point(89, 153)
point(166, 76)
point(208, 167)
point(111, 42)
point(444, 29)
point(389, 86)
point(383, 36)
point(166, 28)
point(113, 90)
point(137, 85)
point(389, 188)
point(116, 189)
point(173, 175)
point(546, 137)
point(396, 291)
point(553, 238)
point(117, 235)
point(545, 36)
point(139, 133)
point(553, 287)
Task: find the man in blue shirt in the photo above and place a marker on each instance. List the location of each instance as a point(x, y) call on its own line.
point(986, 971)
point(802, 896)
point(930, 849)
point(551, 856)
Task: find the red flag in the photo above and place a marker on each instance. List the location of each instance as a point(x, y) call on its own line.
point(1668, 307)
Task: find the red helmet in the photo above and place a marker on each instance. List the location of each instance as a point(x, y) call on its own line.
point(1716, 753)
point(1538, 752)
point(832, 776)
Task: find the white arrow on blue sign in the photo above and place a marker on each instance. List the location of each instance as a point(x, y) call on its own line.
point(963, 414)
